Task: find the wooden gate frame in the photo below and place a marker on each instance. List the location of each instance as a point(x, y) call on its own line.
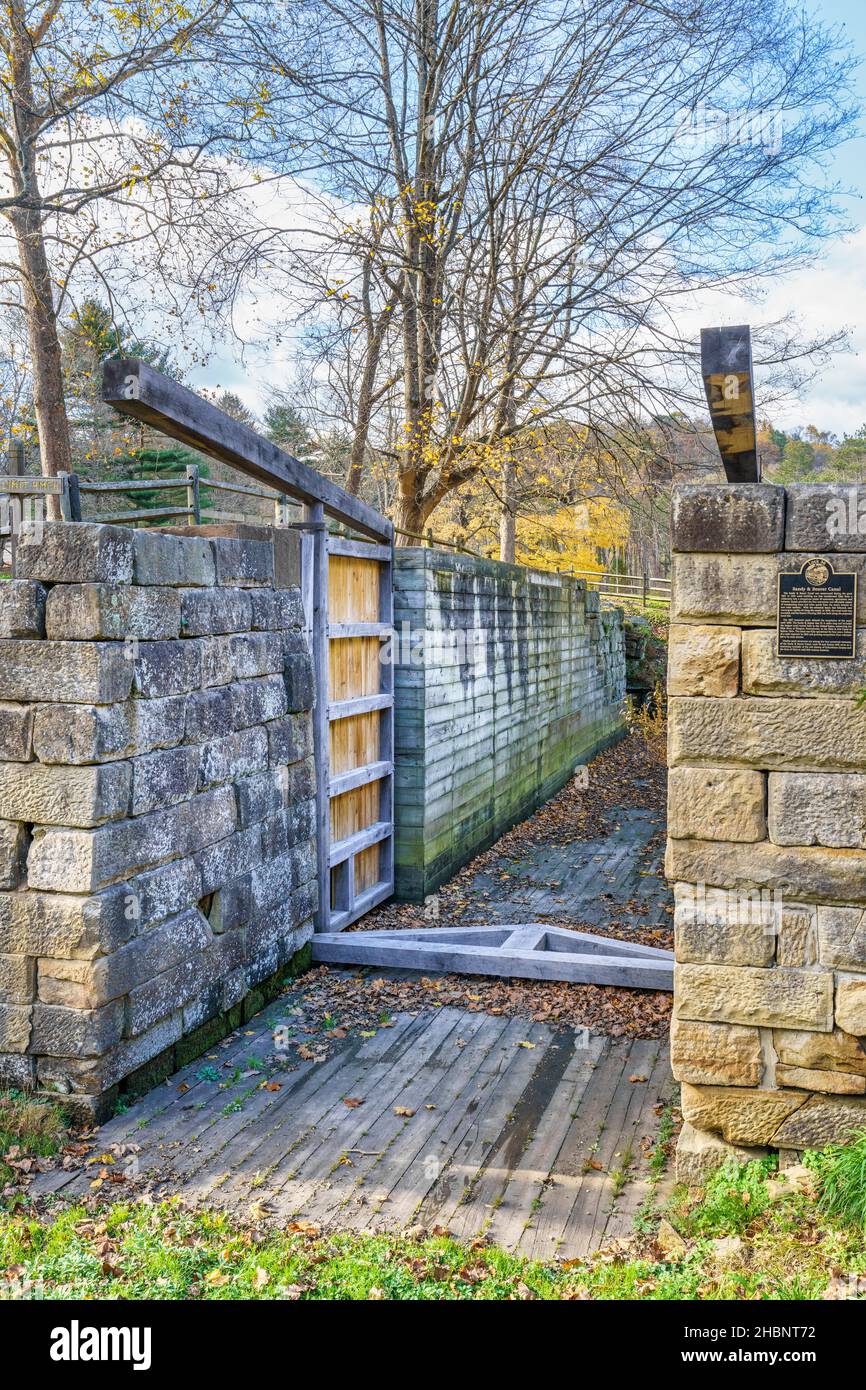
point(136, 389)
point(317, 547)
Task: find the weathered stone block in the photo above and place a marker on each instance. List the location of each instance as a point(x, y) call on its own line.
point(162, 779)
point(261, 796)
point(17, 976)
point(839, 1083)
point(232, 905)
point(234, 755)
point(239, 656)
point(80, 796)
point(713, 927)
point(769, 998)
point(22, 608)
point(244, 563)
point(75, 734)
point(16, 733)
point(836, 1051)
point(17, 1072)
point(229, 858)
point(272, 883)
point(62, 552)
point(80, 861)
point(57, 924)
point(822, 1120)
point(14, 841)
point(165, 559)
point(91, 1075)
point(842, 937)
point(300, 681)
point(208, 713)
point(700, 1154)
point(290, 739)
point(715, 1054)
point(81, 673)
point(276, 609)
point(82, 733)
point(173, 988)
point(823, 808)
point(825, 517)
point(744, 517)
point(716, 804)
point(742, 589)
point(66, 1032)
point(808, 875)
point(15, 1026)
point(275, 926)
point(703, 660)
point(159, 723)
point(287, 828)
point(121, 611)
point(764, 673)
point(851, 1003)
point(257, 701)
point(208, 612)
point(741, 1116)
point(88, 984)
point(779, 735)
point(797, 942)
point(163, 892)
point(167, 668)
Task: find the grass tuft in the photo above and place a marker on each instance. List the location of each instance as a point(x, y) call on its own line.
point(841, 1173)
point(32, 1126)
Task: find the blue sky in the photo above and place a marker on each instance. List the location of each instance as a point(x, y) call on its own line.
point(850, 163)
point(828, 297)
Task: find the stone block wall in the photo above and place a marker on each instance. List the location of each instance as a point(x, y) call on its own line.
point(767, 825)
point(506, 680)
point(156, 792)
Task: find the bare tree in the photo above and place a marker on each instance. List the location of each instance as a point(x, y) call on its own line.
point(516, 200)
point(116, 141)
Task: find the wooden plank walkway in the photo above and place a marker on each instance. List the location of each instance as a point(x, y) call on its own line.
point(481, 1124)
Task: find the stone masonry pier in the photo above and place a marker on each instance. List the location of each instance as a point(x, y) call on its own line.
point(767, 847)
point(157, 868)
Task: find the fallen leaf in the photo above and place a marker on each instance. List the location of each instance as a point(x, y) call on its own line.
point(635, 1078)
point(353, 1101)
point(403, 1110)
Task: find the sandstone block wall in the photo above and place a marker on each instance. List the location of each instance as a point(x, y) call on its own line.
point(156, 792)
point(767, 847)
point(506, 679)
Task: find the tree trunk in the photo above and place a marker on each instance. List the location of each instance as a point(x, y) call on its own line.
point(48, 397)
point(508, 515)
point(410, 514)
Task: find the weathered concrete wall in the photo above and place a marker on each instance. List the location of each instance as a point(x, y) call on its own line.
point(507, 679)
point(156, 788)
point(767, 845)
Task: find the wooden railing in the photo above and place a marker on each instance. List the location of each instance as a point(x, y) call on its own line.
point(639, 588)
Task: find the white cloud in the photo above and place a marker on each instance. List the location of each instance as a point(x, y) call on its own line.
point(826, 298)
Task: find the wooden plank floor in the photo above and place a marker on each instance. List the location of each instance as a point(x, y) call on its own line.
point(514, 1131)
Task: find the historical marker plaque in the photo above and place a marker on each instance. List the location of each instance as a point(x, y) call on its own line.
point(817, 612)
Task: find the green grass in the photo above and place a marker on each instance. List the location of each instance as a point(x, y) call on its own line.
point(788, 1245)
point(841, 1173)
point(31, 1126)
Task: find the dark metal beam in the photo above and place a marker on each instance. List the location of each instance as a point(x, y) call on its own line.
point(136, 389)
point(726, 367)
